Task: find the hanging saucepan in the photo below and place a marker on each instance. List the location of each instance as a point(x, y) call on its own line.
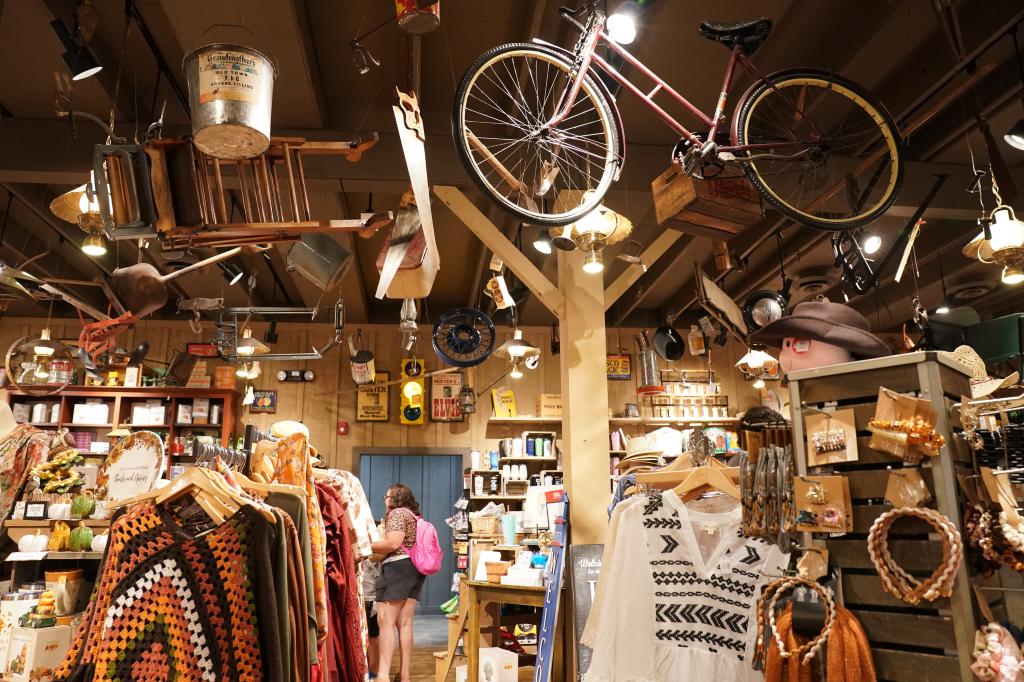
point(668, 343)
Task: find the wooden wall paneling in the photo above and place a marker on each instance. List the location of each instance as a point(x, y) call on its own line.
point(898, 666)
point(886, 627)
point(867, 590)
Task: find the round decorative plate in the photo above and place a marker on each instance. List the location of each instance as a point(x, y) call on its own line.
point(133, 465)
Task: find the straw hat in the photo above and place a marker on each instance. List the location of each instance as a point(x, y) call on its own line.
point(641, 445)
point(982, 384)
point(288, 427)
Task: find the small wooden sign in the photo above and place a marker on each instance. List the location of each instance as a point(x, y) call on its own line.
point(619, 366)
point(372, 399)
point(584, 568)
point(444, 397)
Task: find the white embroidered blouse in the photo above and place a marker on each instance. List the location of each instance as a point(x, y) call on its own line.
point(677, 594)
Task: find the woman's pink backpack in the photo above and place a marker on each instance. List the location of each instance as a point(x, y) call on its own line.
point(426, 551)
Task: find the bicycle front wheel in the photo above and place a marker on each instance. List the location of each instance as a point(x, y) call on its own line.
point(827, 154)
point(546, 176)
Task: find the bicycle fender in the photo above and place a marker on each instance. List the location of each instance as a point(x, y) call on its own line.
point(604, 91)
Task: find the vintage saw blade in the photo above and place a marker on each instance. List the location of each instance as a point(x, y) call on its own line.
point(410, 132)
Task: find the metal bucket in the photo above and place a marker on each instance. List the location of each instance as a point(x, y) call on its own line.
point(320, 259)
point(230, 92)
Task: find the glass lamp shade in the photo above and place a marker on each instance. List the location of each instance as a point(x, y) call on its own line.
point(1007, 232)
point(44, 346)
point(94, 244)
point(756, 362)
point(1013, 274)
point(248, 346)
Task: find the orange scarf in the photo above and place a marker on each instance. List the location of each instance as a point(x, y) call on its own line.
point(849, 654)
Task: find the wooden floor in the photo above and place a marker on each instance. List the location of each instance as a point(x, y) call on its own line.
point(423, 667)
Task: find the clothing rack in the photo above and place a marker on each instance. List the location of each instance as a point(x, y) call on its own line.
point(206, 453)
point(254, 435)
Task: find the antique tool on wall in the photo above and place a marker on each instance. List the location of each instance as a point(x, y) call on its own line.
point(463, 337)
point(227, 332)
point(142, 287)
point(417, 281)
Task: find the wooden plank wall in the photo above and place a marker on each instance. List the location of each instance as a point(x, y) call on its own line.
point(907, 642)
point(331, 397)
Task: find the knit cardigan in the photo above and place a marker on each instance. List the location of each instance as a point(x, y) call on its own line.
point(170, 606)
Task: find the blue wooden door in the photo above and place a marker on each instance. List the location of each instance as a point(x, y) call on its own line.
point(436, 482)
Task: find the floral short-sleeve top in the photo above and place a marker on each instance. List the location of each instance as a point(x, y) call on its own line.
point(401, 519)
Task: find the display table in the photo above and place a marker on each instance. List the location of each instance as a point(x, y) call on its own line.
point(480, 593)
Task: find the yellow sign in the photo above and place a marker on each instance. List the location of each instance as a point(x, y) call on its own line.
point(619, 366)
point(412, 412)
point(372, 400)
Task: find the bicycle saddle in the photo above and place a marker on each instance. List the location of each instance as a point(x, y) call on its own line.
point(748, 33)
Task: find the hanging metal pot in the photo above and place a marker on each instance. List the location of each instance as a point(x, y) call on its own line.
point(320, 259)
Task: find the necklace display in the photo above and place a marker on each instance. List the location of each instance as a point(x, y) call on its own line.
point(898, 582)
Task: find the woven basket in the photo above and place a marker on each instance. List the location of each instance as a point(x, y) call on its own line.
point(485, 525)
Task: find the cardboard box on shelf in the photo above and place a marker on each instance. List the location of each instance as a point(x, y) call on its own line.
point(499, 665)
point(549, 405)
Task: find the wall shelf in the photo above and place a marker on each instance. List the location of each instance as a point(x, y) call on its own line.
point(527, 458)
point(526, 419)
point(672, 421)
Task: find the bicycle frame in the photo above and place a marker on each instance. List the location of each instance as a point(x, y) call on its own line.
point(590, 58)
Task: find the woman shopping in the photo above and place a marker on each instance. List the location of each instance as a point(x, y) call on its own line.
point(399, 584)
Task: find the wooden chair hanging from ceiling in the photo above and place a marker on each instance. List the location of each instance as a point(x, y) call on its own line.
point(195, 207)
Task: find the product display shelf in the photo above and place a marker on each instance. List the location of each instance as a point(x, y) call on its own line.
point(527, 458)
point(932, 640)
point(16, 529)
point(121, 400)
point(674, 421)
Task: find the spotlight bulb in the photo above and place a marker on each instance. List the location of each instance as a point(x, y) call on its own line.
point(621, 28)
point(872, 244)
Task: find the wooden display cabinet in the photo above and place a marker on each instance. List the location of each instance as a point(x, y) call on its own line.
point(121, 402)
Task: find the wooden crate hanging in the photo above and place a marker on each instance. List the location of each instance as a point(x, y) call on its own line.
point(719, 209)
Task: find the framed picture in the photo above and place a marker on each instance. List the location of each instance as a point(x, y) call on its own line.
point(372, 399)
point(444, 397)
point(265, 402)
point(619, 366)
point(36, 511)
point(203, 350)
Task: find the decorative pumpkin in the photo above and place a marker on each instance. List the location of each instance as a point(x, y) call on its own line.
point(59, 539)
point(81, 538)
point(34, 543)
point(99, 542)
point(60, 511)
point(83, 505)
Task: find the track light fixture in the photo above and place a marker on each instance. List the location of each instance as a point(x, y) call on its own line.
point(78, 59)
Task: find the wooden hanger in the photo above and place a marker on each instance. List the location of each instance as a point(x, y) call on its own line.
point(253, 486)
point(704, 477)
point(215, 497)
point(678, 470)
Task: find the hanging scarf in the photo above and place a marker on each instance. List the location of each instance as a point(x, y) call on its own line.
point(849, 654)
point(20, 451)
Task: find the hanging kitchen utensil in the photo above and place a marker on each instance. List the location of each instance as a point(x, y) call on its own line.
point(463, 337)
point(363, 370)
point(668, 343)
point(320, 259)
point(650, 377)
point(143, 289)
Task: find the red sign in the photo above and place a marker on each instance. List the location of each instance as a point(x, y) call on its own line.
point(203, 350)
point(342, 428)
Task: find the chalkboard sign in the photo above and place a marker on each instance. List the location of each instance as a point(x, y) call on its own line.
point(584, 567)
point(556, 499)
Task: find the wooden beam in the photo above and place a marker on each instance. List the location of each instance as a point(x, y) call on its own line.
point(584, 398)
point(679, 256)
point(630, 275)
point(491, 236)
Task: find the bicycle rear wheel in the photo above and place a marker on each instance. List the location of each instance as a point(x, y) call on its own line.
point(831, 158)
point(546, 177)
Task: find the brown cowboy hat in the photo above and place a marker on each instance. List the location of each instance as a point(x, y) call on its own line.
point(834, 323)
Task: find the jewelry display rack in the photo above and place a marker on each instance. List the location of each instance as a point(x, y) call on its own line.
point(919, 642)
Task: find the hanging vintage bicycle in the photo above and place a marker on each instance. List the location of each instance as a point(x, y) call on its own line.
point(542, 136)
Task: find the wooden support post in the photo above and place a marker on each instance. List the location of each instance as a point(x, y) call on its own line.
point(630, 275)
point(584, 399)
point(539, 285)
